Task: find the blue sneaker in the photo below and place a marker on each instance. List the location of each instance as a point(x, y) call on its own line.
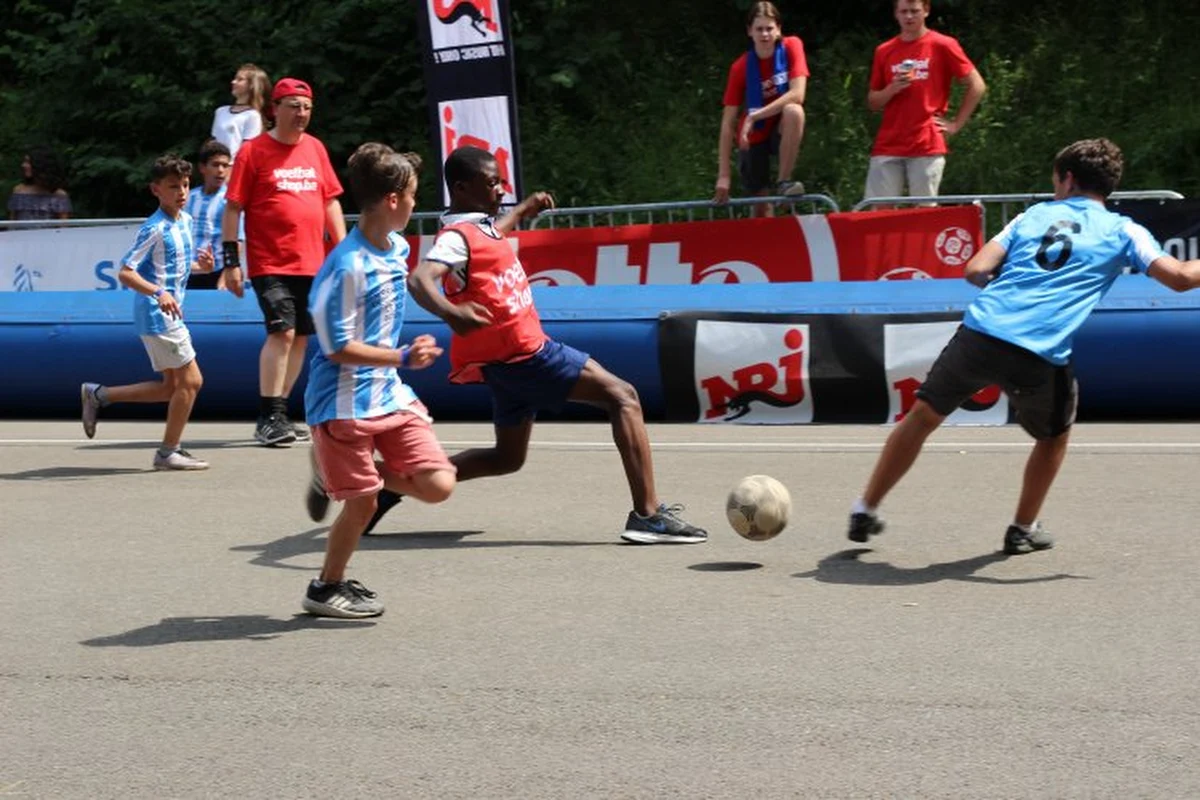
point(662, 527)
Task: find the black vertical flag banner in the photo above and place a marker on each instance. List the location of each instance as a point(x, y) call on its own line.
point(469, 80)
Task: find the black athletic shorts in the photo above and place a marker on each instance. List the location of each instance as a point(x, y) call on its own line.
point(203, 280)
point(754, 165)
point(1043, 395)
point(284, 302)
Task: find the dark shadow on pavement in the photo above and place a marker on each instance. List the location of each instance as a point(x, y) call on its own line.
point(312, 542)
point(726, 566)
point(70, 473)
point(190, 444)
point(253, 627)
point(847, 568)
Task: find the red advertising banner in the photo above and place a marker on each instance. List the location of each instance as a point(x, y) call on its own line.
point(854, 246)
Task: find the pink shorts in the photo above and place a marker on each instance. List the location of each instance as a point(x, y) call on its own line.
point(345, 450)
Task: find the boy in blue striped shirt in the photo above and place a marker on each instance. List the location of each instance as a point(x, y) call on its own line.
point(206, 206)
point(156, 268)
point(355, 401)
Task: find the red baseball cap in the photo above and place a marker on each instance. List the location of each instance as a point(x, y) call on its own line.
point(290, 87)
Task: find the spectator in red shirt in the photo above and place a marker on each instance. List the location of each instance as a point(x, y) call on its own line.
point(284, 183)
point(771, 85)
point(911, 78)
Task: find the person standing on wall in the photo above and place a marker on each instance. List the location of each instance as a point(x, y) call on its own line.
point(911, 79)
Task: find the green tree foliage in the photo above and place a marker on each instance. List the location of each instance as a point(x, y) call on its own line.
point(619, 101)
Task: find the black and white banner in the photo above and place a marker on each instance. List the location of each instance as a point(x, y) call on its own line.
point(1175, 223)
point(800, 368)
point(470, 84)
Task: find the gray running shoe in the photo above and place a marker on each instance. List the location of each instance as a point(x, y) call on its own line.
point(301, 431)
point(789, 188)
point(863, 526)
point(662, 527)
point(179, 459)
point(91, 407)
point(345, 600)
point(1018, 542)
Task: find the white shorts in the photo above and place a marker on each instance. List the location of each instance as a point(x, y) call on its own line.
point(170, 350)
point(887, 176)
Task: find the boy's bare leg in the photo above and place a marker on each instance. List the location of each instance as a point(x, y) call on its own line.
point(186, 382)
point(344, 536)
point(900, 451)
point(599, 387)
point(791, 132)
point(1040, 471)
point(145, 392)
point(507, 456)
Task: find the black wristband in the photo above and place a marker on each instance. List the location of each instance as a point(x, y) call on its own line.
point(231, 255)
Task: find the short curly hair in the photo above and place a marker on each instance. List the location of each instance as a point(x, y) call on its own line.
point(1096, 164)
point(170, 165)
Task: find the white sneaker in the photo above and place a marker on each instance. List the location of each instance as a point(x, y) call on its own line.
point(91, 406)
point(178, 459)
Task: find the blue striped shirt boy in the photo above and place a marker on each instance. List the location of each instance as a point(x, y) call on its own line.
point(358, 295)
point(206, 211)
point(162, 253)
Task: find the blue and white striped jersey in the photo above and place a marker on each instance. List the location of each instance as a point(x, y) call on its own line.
point(358, 295)
point(1061, 257)
point(206, 211)
point(162, 253)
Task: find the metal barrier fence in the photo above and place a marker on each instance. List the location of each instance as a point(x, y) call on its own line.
point(1006, 202)
point(426, 222)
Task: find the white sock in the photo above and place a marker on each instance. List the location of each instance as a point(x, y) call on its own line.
point(1026, 528)
point(861, 507)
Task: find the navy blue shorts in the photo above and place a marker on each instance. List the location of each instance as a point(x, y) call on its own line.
point(541, 383)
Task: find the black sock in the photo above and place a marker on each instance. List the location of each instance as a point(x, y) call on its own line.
point(266, 406)
point(279, 406)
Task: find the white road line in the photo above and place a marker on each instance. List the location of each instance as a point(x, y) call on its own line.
point(608, 445)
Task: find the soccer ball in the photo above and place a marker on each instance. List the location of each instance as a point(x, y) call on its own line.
point(758, 507)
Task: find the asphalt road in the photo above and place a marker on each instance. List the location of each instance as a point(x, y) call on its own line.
point(153, 644)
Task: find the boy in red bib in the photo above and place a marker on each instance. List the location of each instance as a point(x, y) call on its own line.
point(472, 279)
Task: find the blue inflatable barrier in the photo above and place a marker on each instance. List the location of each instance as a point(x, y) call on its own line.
point(1135, 358)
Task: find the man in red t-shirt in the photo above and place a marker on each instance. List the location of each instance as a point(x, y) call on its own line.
point(911, 78)
point(774, 120)
point(284, 183)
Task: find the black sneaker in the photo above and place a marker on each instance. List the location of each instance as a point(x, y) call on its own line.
point(274, 431)
point(1018, 542)
point(662, 527)
point(315, 499)
point(863, 526)
point(384, 503)
point(302, 432)
point(346, 600)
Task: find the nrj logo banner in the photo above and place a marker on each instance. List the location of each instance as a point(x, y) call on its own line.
point(465, 23)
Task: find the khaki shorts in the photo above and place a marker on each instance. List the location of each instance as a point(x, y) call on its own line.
point(888, 175)
point(170, 350)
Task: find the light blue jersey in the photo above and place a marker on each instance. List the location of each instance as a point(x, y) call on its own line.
point(162, 253)
point(206, 211)
point(358, 295)
point(1062, 256)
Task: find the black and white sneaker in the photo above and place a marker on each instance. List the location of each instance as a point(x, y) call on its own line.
point(789, 188)
point(385, 501)
point(316, 502)
point(662, 527)
point(274, 431)
point(863, 526)
point(1018, 542)
point(345, 600)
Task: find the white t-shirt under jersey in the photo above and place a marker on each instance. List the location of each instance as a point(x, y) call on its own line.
point(231, 128)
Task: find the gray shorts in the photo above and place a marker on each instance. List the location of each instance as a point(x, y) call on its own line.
point(1044, 395)
point(170, 350)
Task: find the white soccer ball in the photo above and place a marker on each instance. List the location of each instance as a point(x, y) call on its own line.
point(758, 507)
